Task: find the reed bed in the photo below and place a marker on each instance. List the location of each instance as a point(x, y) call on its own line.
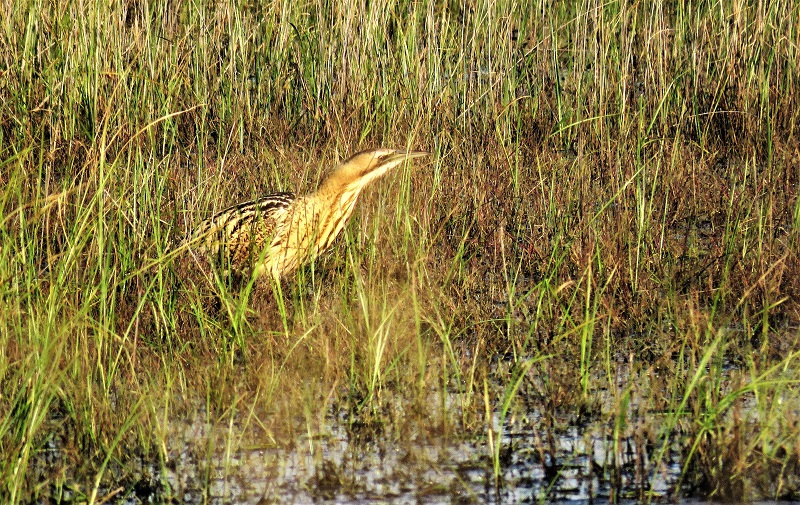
point(608, 229)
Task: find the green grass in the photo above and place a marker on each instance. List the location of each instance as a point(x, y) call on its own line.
point(611, 208)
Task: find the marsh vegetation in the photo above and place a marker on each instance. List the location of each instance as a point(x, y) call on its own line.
point(592, 284)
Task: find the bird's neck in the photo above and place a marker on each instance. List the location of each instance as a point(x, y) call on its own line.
point(335, 193)
point(329, 209)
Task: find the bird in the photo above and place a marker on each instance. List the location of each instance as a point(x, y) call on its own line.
point(277, 233)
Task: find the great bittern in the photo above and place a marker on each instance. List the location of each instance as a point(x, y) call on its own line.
point(277, 233)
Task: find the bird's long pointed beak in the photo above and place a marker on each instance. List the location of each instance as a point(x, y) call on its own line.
point(404, 155)
point(417, 154)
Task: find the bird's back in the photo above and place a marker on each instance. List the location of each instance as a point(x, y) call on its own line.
point(238, 235)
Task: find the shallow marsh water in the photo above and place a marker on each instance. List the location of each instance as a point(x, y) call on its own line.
point(345, 471)
point(435, 461)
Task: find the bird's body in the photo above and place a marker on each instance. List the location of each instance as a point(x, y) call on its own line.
point(275, 234)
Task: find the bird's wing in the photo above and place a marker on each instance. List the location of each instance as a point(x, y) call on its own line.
point(241, 227)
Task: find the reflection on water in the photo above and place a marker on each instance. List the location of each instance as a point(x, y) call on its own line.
point(445, 454)
point(346, 466)
point(621, 450)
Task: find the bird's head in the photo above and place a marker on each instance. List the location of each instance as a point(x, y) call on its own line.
point(367, 166)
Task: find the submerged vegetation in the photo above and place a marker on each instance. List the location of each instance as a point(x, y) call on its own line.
point(606, 235)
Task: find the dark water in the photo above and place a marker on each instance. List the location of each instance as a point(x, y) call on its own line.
point(421, 465)
point(432, 457)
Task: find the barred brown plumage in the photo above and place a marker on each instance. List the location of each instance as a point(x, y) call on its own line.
point(275, 234)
